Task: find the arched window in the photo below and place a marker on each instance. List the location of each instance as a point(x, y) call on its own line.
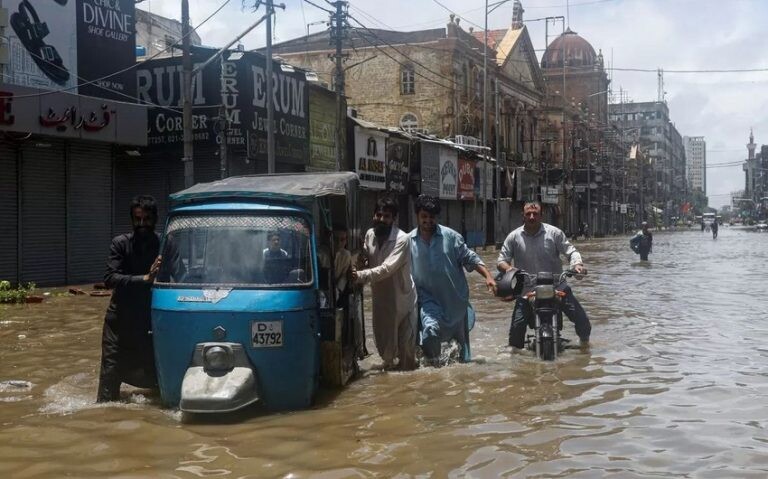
point(409, 122)
point(407, 80)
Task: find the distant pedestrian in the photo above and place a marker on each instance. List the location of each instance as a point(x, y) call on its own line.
point(714, 229)
point(642, 242)
point(127, 353)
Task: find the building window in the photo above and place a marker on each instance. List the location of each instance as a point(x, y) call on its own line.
point(409, 122)
point(407, 80)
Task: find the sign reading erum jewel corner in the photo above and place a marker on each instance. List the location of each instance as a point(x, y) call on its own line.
point(239, 85)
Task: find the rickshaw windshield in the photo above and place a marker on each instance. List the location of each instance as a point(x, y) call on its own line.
point(245, 250)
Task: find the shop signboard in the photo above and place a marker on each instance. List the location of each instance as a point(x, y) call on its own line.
point(448, 173)
point(76, 46)
point(30, 110)
point(398, 164)
point(240, 86)
point(370, 158)
point(466, 185)
point(322, 125)
point(430, 169)
point(549, 195)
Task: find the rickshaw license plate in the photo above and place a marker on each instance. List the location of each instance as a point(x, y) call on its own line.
point(266, 334)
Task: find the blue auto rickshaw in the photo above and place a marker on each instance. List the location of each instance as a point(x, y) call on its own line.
point(244, 310)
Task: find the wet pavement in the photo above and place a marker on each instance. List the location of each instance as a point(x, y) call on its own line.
point(674, 385)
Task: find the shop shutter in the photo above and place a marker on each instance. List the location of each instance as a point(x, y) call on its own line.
point(9, 236)
point(158, 177)
point(89, 222)
point(43, 210)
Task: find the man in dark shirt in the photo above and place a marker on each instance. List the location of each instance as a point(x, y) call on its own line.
point(127, 354)
point(642, 242)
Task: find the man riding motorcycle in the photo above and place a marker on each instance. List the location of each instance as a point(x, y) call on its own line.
point(536, 247)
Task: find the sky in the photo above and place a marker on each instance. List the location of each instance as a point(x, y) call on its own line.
point(632, 34)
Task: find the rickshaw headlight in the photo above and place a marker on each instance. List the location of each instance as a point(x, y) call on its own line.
point(218, 358)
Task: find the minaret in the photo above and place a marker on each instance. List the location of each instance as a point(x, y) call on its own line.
point(751, 145)
point(517, 15)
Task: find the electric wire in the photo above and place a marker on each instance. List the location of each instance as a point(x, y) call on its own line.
point(439, 75)
point(318, 6)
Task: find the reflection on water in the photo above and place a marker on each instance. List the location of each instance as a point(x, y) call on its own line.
point(674, 384)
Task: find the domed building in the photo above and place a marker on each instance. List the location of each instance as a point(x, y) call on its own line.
point(570, 65)
point(576, 114)
point(569, 45)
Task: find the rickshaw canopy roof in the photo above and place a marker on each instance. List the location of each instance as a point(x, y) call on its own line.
point(292, 187)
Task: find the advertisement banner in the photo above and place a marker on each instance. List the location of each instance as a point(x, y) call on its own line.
point(430, 169)
point(64, 44)
point(370, 159)
point(42, 39)
point(466, 179)
point(449, 176)
point(240, 86)
point(398, 164)
point(106, 42)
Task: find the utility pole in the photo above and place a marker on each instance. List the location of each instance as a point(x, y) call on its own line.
point(497, 229)
point(188, 159)
point(270, 96)
point(337, 35)
point(223, 123)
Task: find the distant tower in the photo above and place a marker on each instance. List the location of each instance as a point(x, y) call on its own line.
point(517, 15)
point(751, 145)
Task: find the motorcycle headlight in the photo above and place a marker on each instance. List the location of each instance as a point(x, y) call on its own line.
point(218, 358)
point(545, 291)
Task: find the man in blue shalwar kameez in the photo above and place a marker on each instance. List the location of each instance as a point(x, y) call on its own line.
point(438, 254)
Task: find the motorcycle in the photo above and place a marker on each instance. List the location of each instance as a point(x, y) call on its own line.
point(546, 302)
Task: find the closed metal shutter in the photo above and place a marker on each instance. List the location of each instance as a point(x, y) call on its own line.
point(8, 215)
point(207, 165)
point(157, 177)
point(89, 223)
point(44, 213)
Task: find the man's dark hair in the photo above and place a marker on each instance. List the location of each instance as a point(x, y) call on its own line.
point(146, 203)
point(428, 203)
point(272, 234)
point(534, 203)
point(386, 204)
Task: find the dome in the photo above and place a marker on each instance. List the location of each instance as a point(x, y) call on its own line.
point(578, 52)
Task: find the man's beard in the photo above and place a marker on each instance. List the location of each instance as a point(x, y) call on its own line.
point(143, 231)
point(381, 229)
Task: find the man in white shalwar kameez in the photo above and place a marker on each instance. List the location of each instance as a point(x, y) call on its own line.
point(395, 317)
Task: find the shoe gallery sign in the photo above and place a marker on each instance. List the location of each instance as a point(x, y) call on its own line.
point(72, 45)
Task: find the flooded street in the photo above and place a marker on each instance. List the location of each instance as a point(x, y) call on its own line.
point(675, 385)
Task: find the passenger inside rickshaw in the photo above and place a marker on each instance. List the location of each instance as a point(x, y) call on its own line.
point(240, 250)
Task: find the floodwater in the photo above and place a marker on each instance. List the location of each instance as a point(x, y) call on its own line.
point(675, 384)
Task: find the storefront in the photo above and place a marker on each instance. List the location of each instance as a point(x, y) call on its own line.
point(57, 155)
